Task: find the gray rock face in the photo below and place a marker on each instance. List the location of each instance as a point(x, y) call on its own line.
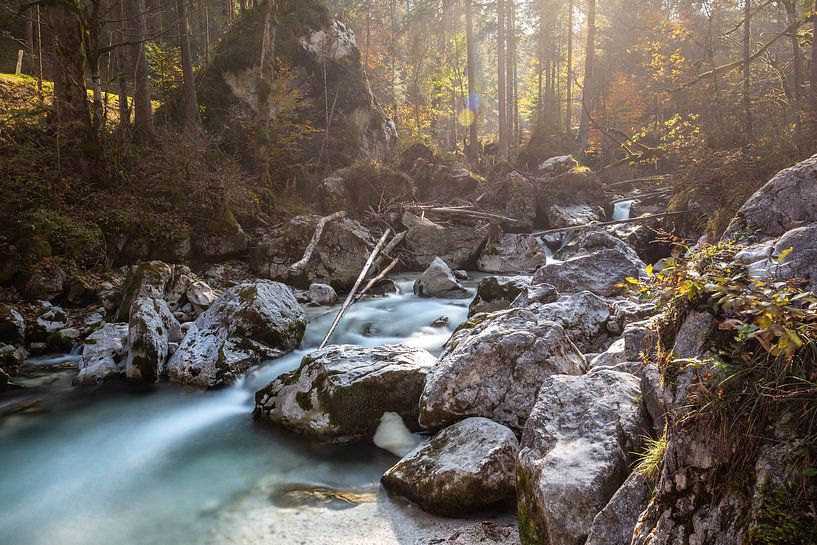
point(44, 283)
point(591, 241)
point(224, 239)
point(601, 273)
point(103, 354)
point(12, 357)
point(640, 339)
point(340, 393)
point(557, 165)
point(493, 365)
point(441, 183)
point(12, 325)
point(144, 280)
point(535, 295)
point(786, 201)
point(519, 196)
point(575, 453)
point(497, 294)
point(584, 317)
point(762, 263)
point(572, 215)
point(615, 523)
point(201, 296)
point(51, 321)
point(332, 194)
point(513, 254)
point(251, 322)
point(425, 240)
point(614, 355)
point(322, 295)
point(150, 330)
point(466, 467)
point(438, 281)
point(337, 260)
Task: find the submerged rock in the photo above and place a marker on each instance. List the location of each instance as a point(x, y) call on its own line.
point(513, 254)
point(438, 281)
point(575, 453)
point(495, 294)
point(493, 365)
point(466, 467)
point(340, 393)
point(103, 354)
point(251, 322)
point(337, 259)
point(151, 328)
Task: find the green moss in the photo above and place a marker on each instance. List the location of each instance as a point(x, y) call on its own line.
point(473, 322)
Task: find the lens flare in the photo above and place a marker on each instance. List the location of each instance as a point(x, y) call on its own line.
point(466, 117)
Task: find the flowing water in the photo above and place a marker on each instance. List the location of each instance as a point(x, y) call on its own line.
point(126, 467)
point(621, 210)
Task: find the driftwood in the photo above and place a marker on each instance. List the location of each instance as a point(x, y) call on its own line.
point(465, 213)
point(350, 299)
point(641, 196)
point(656, 178)
point(316, 237)
point(376, 279)
point(608, 223)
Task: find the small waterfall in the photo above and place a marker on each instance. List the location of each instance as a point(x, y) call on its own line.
point(621, 210)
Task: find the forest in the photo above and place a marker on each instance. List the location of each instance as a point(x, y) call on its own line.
point(518, 272)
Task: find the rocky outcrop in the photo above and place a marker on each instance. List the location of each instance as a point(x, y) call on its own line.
point(493, 365)
point(572, 215)
point(495, 294)
point(534, 296)
point(251, 322)
point(557, 165)
point(512, 254)
point(762, 262)
point(467, 467)
point(144, 280)
point(575, 453)
point(103, 354)
point(321, 295)
point(458, 246)
point(44, 282)
point(603, 273)
point(337, 259)
point(151, 328)
point(787, 201)
point(340, 393)
point(438, 281)
point(220, 237)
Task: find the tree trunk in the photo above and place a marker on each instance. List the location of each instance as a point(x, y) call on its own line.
point(813, 76)
point(797, 73)
point(513, 93)
point(191, 103)
point(266, 82)
point(71, 98)
point(587, 85)
point(569, 114)
point(473, 143)
point(142, 108)
point(747, 75)
point(501, 68)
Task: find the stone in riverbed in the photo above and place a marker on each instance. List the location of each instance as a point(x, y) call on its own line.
point(103, 354)
point(12, 325)
point(575, 453)
point(603, 273)
point(465, 468)
point(495, 294)
point(201, 296)
point(340, 393)
point(513, 254)
point(493, 365)
point(572, 215)
point(322, 295)
point(251, 322)
point(151, 328)
point(535, 296)
point(438, 281)
point(458, 246)
point(144, 280)
point(584, 317)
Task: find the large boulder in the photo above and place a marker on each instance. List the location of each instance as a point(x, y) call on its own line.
point(557, 165)
point(458, 246)
point(252, 321)
point(603, 273)
point(572, 215)
point(467, 467)
point(44, 282)
point(149, 279)
point(593, 240)
point(495, 294)
point(220, 237)
point(12, 325)
point(584, 317)
point(519, 196)
point(340, 393)
point(615, 524)
point(438, 281)
point(103, 354)
point(513, 254)
point(442, 183)
point(493, 365)
point(151, 328)
point(787, 201)
point(801, 262)
point(575, 453)
point(336, 260)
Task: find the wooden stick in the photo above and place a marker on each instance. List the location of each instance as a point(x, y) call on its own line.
point(608, 223)
point(377, 279)
point(656, 178)
point(350, 299)
point(458, 212)
point(316, 237)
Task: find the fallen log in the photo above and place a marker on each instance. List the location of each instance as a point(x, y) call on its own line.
point(350, 299)
point(463, 213)
point(609, 223)
point(377, 279)
point(656, 178)
point(316, 237)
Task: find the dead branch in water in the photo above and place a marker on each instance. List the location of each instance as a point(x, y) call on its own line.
point(350, 299)
point(377, 278)
point(609, 223)
point(316, 237)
